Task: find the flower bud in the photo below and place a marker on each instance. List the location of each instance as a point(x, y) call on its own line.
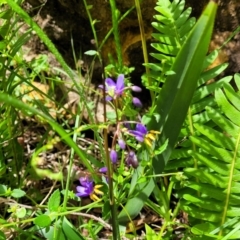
point(136, 102)
point(132, 160)
point(103, 170)
point(113, 156)
point(121, 144)
point(136, 89)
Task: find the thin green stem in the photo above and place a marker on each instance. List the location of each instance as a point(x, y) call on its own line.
point(176, 210)
point(164, 199)
point(191, 128)
point(116, 234)
point(91, 23)
point(115, 14)
point(111, 30)
point(70, 165)
point(144, 45)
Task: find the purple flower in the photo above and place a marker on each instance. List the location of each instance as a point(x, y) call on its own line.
point(140, 132)
point(121, 144)
point(136, 102)
point(113, 156)
point(86, 188)
point(114, 90)
point(132, 160)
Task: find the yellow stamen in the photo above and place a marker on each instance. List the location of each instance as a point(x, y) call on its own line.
point(94, 197)
point(148, 142)
point(96, 191)
point(154, 132)
point(151, 136)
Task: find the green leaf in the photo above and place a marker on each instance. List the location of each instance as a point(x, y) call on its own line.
point(134, 205)
point(188, 66)
point(2, 236)
point(70, 231)
point(204, 228)
point(91, 52)
point(3, 44)
point(17, 193)
point(227, 107)
point(175, 96)
point(193, 211)
point(216, 136)
point(21, 212)
point(208, 204)
point(111, 115)
point(230, 128)
point(54, 201)
point(3, 189)
point(206, 176)
point(42, 221)
point(209, 88)
point(213, 186)
point(183, 18)
point(63, 229)
point(216, 193)
point(150, 233)
point(162, 148)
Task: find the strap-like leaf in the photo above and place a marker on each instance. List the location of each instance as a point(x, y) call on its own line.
point(178, 90)
point(175, 96)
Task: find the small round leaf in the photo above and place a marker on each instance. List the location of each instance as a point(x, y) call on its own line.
point(21, 212)
point(17, 193)
point(42, 221)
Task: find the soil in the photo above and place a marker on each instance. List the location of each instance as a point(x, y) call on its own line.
point(63, 20)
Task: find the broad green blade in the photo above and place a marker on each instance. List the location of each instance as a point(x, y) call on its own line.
point(174, 100)
point(177, 92)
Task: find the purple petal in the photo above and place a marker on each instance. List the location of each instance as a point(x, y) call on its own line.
point(136, 102)
point(110, 83)
point(103, 170)
point(113, 156)
point(100, 86)
point(82, 192)
point(120, 84)
point(121, 144)
point(108, 98)
point(136, 89)
point(139, 138)
point(84, 181)
point(141, 128)
point(136, 133)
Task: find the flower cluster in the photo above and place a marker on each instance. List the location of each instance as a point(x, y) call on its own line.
point(114, 91)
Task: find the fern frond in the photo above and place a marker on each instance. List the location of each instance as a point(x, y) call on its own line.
point(173, 25)
point(212, 188)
